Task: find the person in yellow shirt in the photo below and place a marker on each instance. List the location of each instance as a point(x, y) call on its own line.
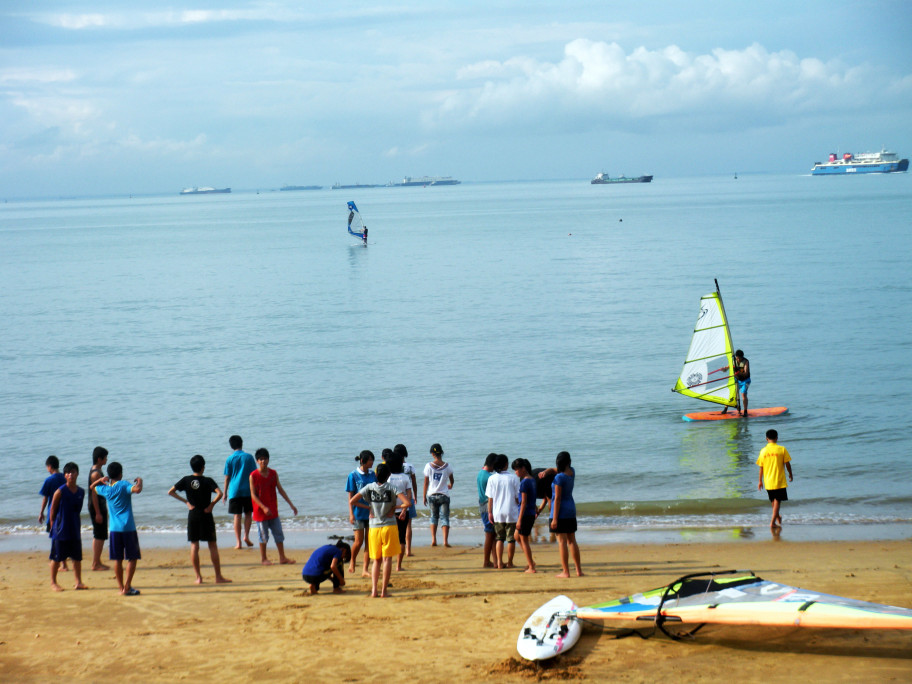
point(772, 476)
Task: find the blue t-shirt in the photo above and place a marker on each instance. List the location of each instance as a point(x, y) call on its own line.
point(482, 480)
point(320, 560)
point(356, 482)
point(568, 507)
point(238, 467)
point(66, 520)
point(527, 487)
point(51, 484)
point(120, 505)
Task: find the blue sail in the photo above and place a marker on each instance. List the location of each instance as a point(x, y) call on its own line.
point(356, 226)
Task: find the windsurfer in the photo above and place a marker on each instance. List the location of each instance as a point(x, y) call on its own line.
point(364, 235)
point(743, 377)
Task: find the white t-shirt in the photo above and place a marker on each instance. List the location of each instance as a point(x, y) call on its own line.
point(438, 478)
point(503, 490)
point(402, 483)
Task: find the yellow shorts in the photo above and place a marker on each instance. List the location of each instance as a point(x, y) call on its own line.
point(383, 542)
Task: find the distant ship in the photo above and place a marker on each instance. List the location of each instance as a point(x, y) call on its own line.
point(301, 187)
point(409, 182)
point(603, 179)
point(866, 162)
point(358, 186)
point(204, 191)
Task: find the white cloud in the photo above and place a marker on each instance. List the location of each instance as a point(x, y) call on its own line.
point(28, 76)
point(600, 82)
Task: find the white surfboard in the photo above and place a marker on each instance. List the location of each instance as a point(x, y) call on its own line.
point(548, 632)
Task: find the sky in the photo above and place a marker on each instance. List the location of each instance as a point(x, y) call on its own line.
point(107, 98)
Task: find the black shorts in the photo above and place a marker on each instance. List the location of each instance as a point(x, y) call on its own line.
point(200, 527)
point(61, 550)
point(240, 504)
point(317, 580)
point(777, 494)
point(99, 529)
point(124, 546)
point(564, 526)
point(525, 525)
point(402, 526)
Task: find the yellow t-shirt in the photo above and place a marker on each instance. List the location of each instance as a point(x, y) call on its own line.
point(772, 459)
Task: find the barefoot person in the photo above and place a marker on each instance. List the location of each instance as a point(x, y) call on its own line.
point(438, 481)
point(238, 467)
point(98, 508)
point(200, 522)
point(527, 513)
point(742, 372)
point(358, 516)
point(264, 483)
point(383, 535)
point(771, 460)
point(66, 503)
point(327, 563)
point(563, 515)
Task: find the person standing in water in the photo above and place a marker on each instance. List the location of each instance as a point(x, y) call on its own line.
point(742, 371)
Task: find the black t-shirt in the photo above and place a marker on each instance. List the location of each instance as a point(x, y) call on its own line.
point(199, 490)
point(542, 485)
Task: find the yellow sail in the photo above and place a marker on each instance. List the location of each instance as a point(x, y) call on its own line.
point(707, 372)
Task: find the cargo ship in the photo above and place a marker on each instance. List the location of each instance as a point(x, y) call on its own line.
point(604, 179)
point(204, 191)
point(866, 162)
point(424, 181)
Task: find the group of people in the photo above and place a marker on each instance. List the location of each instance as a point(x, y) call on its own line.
point(381, 506)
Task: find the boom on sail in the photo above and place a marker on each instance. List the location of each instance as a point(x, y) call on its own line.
point(707, 372)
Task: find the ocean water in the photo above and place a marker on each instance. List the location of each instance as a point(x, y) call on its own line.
point(522, 318)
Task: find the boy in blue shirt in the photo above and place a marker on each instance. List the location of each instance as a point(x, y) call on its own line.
point(124, 542)
point(54, 481)
point(63, 517)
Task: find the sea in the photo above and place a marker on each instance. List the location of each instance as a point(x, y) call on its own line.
point(524, 318)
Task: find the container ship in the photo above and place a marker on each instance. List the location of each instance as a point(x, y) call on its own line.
point(409, 182)
point(866, 162)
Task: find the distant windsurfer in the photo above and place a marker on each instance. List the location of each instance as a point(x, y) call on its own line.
point(364, 236)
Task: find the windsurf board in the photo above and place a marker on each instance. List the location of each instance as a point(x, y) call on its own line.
point(733, 414)
point(546, 634)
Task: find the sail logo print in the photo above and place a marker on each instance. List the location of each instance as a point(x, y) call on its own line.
point(703, 311)
point(694, 378)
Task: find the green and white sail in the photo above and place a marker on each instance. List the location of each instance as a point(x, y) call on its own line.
point(707, 372)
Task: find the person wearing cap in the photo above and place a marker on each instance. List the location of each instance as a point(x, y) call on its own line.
point(438, 481)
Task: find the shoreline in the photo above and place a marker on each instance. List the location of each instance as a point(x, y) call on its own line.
point(469, 536)
point(447, 616)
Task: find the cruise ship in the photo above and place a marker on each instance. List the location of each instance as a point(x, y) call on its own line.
point(866, 162)
point(204, 191)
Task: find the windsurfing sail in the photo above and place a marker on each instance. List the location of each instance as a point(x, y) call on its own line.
point(739, 599)
point(745, 599)
point(707, 372)
point(356, 226)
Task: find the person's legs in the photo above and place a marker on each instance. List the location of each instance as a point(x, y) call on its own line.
point(97, 547)
point(237, 530)
point(776, 519)
point(387, 568)
point(356, 547)
point(217, 563)
point(526, 543)
point(445, 520)
point(511, 551)
point(564, 553)
point(77, 570)
point(128, 580)
point(195, 560)
point(408, 537)
point(574, 549)
point(283, 559)
point(55, 566)
point(248, 520)
point(119, 574)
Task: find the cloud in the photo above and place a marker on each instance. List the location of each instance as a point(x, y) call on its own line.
point(599, 84)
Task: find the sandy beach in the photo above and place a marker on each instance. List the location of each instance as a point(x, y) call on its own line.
point(448, 620)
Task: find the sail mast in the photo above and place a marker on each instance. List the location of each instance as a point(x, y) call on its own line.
point(730, 345)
